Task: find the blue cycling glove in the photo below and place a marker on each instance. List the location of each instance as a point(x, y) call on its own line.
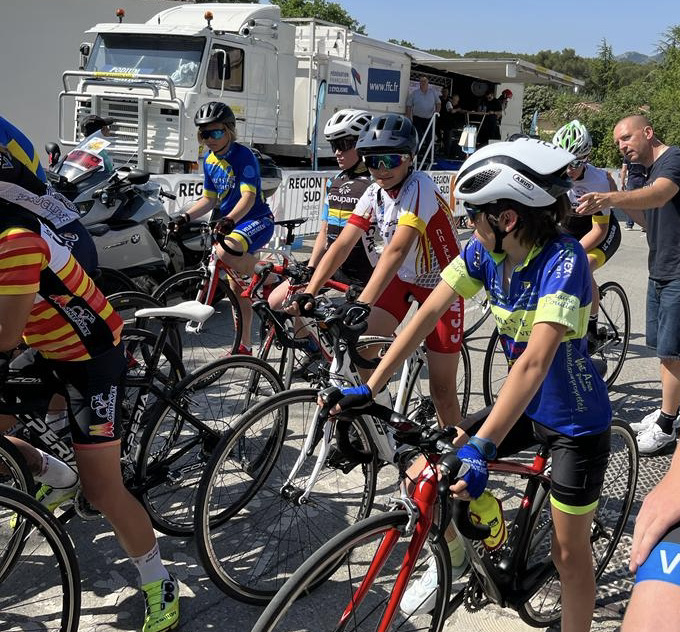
point(477, 473)
point(355, 397)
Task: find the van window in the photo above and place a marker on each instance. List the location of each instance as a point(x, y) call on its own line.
point(225, 69)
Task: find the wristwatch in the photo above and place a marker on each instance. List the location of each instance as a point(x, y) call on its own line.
point(485, 446)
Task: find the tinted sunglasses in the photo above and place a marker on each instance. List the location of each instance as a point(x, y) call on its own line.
point(388, 161)
point(215, 134)
point(575, 164)
point(492, 208)
point(343, 144)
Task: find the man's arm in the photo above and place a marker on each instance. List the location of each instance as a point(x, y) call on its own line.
point(645, 198)
point(14, 313)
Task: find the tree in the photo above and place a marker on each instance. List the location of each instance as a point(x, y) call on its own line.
point(321, 9)
point(604, 76)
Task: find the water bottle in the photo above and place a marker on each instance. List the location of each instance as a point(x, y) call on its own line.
point(487, 510)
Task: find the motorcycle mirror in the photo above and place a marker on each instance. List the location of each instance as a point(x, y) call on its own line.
point(138, 177)
point(53, 152)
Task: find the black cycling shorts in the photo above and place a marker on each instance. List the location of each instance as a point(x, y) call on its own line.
point(663, 563)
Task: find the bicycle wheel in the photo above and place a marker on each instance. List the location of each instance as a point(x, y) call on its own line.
point(613, 509)
point(110, 281)
point(346, 558)
point(475, 311)
point(254, 524)
point(183, 429)
point(274, 353)
point(39, 580)
point(613, 329)
point(495, 369)
point(127, 303)
point(220, 334)
point(14, 470)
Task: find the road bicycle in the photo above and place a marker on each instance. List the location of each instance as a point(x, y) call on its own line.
point(609, 351)
point(171, 420)
point(277, 488)
point(39, 575)
point(210, 340)
point(356, 580)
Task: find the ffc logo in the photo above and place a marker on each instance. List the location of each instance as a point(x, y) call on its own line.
point(523, 182)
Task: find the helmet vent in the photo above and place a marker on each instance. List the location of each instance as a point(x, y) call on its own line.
point(479, 180)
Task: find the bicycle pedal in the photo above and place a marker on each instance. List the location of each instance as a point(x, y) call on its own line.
point(339, 461)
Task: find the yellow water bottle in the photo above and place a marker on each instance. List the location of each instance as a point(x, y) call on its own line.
point(487, 510)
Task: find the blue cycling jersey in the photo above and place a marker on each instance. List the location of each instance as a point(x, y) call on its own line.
point(227, 176)
point(21, 148)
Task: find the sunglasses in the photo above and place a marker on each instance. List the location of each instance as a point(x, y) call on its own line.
point(492, 208)
point(215, 134)
point(388, 161)
point(575, 164)
point(343, 144)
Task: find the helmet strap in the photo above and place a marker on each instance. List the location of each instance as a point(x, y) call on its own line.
point(499, 233)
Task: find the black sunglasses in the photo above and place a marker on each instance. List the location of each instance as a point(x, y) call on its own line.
point(492, 208)
point(343, 144)
point(215, 134)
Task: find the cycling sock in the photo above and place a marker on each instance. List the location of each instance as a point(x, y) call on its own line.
point(592, 324)
point(150, 566)
point(665, 422)
point(54, 472)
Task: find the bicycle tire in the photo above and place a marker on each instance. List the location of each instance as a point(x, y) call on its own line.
point(244, 512)
point(128, 302)
point(476, 310)
point(26, 584)
point(345, 558)
point(174, 449)
point(614, 321)
point(276, 354)
point(616, 500)
point(110, 281)
point(221, 334)
point(495, 368)
point(17, 473)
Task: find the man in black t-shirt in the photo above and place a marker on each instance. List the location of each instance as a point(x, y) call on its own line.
point(633, 176)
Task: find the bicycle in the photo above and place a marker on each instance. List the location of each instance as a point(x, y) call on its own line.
point(39, 575)
point(277, 487)
point(171, 420)
point(222, 335)
point(611, 344)
point(356, 580)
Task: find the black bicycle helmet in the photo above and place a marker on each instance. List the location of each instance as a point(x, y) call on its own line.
point(215, 112)
point(388, 133)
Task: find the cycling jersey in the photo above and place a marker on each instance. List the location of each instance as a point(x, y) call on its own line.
point(342, 194)
point(70, 319)
point(419, 205)
point(21, 148)
point(552, 285)
point(227, 176)
point(593, 180)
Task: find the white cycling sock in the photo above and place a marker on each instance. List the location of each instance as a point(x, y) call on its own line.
point(55, 472)
point(150, 566)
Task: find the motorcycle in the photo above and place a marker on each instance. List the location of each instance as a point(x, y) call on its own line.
point(121, 208)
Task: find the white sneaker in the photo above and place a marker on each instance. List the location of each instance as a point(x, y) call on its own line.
point(649, 420)
point(421, 594)
point(653, 439)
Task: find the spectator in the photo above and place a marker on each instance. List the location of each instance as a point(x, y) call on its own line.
point(632, 177)
point(506, 95)
point(656, 206)
point(445, 121)
point(421, 105)
point(490, 126)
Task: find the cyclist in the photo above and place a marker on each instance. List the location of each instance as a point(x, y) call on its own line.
point(46, 297)
point(539, 289)
point(599, 234)
point(232, 190)
point(342, 194)
point(418, 228)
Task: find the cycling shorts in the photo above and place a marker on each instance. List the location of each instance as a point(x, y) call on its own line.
point(578, 463)
point(663, 563)
point(254, 234)
point(447, 335)
point(604, 251)
point(94, 394)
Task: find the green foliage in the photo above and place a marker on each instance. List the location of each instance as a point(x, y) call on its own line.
point(402, 43)
point(321, 9)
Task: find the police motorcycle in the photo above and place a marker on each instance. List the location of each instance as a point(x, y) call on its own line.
point(121, 208)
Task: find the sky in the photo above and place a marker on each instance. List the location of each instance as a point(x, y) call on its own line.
point(519, 26)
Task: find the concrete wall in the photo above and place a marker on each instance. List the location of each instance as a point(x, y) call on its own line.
point(40, 40)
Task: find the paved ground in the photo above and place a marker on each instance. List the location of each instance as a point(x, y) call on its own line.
point(109, 603)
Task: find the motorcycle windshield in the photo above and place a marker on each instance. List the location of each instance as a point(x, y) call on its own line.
point(90, 155)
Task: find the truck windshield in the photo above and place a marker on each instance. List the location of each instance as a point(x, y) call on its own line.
point(176, 57)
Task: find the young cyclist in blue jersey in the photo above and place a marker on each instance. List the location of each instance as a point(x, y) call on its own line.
point(538, 285)
point(232, 189)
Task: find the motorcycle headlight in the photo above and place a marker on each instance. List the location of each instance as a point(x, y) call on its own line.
point(84, 207)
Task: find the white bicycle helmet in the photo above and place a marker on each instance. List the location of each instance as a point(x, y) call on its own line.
point(574, 137)
point(529, 171)
point(348, 122)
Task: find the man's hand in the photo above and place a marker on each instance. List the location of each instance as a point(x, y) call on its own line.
point(591, 203)
point(175, 225)
point(474, 480)
point(225, 226)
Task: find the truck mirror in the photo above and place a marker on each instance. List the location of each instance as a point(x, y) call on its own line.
point(53, 153)
point(137, 176)
point(85, 50)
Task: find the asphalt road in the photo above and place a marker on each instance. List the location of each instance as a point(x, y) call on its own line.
point(110, 601)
